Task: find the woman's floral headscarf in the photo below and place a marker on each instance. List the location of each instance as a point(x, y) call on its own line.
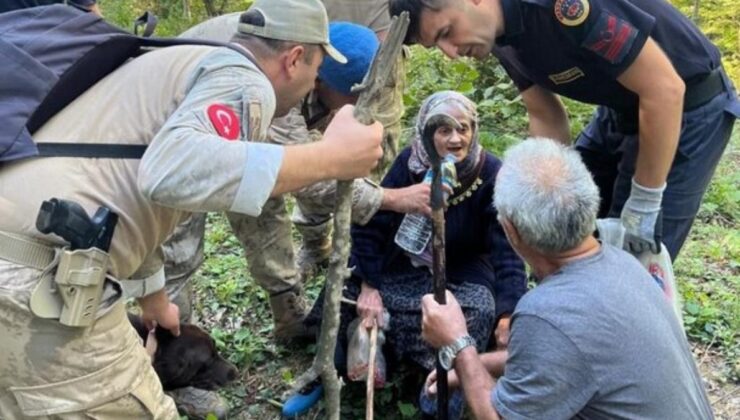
point(443, 102)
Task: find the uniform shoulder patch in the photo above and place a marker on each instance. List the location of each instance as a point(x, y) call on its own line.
point(572, 12)
point(611, 38)
point(224, 121)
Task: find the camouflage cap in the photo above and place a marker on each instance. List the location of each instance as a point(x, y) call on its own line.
point(302, 21)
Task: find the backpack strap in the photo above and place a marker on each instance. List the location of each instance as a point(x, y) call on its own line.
point(134, 151)
point(147, 21)
point(92, 150)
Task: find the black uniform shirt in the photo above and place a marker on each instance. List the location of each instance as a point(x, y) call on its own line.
point(578, 48)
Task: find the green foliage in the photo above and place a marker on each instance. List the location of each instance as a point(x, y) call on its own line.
point(708, 269)
point(720, 21)
point(173, 18)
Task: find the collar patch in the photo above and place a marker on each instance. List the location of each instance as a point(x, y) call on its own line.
point(567, 76)
point(224, 121)
point(572, 12)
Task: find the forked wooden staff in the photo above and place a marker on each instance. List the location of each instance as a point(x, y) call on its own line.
point(371, 89)
point(438, 238)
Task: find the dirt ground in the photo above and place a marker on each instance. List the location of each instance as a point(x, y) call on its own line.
point(724, 395)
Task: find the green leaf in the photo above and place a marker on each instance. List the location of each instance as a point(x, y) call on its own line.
point(407, 410)
point(692, 308)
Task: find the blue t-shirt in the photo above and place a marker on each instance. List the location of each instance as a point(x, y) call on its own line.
point(598, 340)
point(578, 48)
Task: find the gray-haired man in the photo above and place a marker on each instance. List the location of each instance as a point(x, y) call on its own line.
point(595, 338)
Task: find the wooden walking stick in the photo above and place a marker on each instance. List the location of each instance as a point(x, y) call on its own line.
point(438, 238)
point(382, 68)
point(370, 392)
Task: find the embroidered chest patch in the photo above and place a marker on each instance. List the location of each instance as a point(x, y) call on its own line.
point(611, 38)
point(224, 121)
point(571, 12)
point(567, 76)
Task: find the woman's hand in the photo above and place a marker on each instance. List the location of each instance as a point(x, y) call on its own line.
point(430, 385)
point(370, 306)
point(156, 309)
point(412, 199)
point(502, 332)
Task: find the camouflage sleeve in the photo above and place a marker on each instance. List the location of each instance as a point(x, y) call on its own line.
point(290, 129)
point(319, 199)
point(194, 162)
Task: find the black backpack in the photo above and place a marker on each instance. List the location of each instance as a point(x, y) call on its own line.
point(50, 55)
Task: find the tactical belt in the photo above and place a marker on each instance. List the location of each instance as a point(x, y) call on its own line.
point(25, 251)
point(702, 90)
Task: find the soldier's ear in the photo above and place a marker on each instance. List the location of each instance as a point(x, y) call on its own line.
point(293, 58)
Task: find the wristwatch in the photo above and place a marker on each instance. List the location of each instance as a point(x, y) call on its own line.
point(448, 353)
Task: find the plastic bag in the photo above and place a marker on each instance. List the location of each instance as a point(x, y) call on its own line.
point(661, 268)
point(659, 265)
point(358, 352)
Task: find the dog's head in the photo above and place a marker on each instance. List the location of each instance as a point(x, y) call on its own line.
point(190, 359)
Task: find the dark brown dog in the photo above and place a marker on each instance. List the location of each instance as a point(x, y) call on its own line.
point(188, 360)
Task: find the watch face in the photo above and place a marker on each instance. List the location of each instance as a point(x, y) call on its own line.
point(445, 358)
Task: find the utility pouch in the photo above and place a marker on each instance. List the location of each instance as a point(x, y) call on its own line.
point(79, 280)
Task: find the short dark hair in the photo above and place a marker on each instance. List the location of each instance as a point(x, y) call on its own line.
point(274, 46)
point(414, 7)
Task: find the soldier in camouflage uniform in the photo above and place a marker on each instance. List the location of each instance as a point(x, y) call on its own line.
point(313, 218)
point(267, 239)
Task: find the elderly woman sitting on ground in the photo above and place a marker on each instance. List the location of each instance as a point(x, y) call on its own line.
point(483, 272)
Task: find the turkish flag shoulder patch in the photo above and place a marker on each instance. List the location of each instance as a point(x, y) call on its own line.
point(224, 121)
point(611, 38)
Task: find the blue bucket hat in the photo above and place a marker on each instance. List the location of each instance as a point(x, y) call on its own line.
point(359, 45)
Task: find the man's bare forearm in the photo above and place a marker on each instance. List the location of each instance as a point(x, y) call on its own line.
point(660, 127)
point(547, 116)
point(476, 382)
point(660, 89)
point(495, 362)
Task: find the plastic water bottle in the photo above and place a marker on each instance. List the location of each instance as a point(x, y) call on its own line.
point(415, 232)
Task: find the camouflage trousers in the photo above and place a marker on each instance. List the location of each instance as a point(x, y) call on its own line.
point(267, 242)
point(267, 245)
point(51, 371)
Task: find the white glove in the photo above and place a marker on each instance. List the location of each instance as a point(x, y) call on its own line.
point(611, 231)
point(641, 217)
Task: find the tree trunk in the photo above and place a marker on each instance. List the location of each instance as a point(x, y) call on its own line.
point(210, 8)
point(695, 14)
point(186, 10)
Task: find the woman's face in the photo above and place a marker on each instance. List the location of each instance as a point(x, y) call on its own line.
point(448, 140)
